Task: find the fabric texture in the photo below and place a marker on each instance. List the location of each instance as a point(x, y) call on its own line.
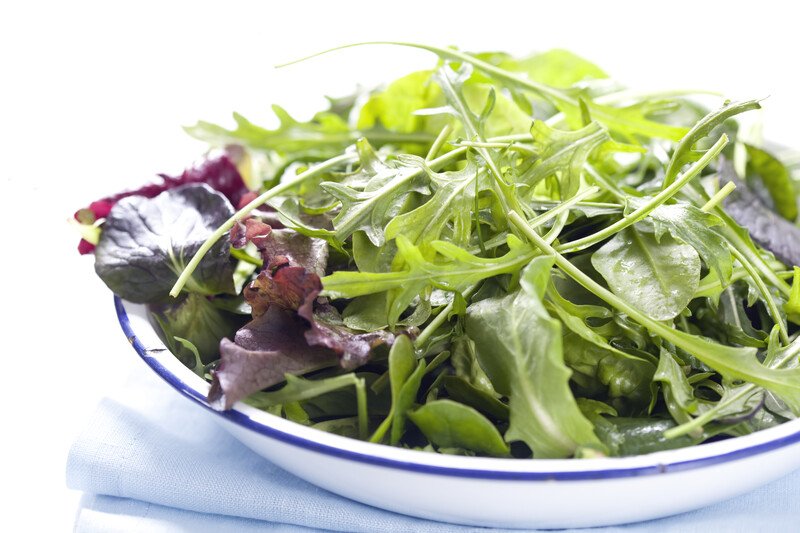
point(149, 460)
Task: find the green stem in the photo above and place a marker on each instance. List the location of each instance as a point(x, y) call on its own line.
point(709, 416)
point(241, 255)
point(714, 286)
point(499, 145)
point(439, 319)
point(439, 142)
point(648, 207)
point(718, 197)
point(363, 420)
point(772, 307)
point(535, 222)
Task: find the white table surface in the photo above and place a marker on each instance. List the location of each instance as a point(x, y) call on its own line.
point(93, 94)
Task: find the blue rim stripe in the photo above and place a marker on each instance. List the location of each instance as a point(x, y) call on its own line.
point(245, 421)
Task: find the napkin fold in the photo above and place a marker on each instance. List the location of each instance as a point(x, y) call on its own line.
point(150, 461)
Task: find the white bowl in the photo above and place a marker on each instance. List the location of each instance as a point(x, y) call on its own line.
point(516, 493)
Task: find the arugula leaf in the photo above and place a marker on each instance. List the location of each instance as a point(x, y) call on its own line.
point(450, 424)
point(519, 347)
point(630, 120)
point(462, 271)
point(730, 361)
point(385, 191)
point(684, 152)
point(146, 243)
point(450, 204)
point(326, 135)
point(564, 153)
point(658, 277)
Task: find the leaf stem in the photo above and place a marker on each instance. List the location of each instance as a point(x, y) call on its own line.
point(439, 319)
point(648, 207)
point(718, 197)
point(241, 255)
point(439, 142)
point(772, 307)
point(361, 399)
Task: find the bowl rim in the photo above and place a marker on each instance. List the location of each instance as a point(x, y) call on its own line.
point(154, 353)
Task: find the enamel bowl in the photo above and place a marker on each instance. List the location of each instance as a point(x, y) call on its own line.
point(516, 493)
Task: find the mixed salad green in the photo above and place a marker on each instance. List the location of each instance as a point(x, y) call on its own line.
point(512, 257)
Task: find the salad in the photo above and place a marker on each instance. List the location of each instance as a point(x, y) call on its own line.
point(499, 256)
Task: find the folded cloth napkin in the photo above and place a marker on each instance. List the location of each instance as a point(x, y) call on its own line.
point(149, 460)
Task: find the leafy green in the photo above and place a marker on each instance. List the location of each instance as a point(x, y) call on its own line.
point(405, 376)
point(519, 347)
point(517, 255)
point(454, 425)
point(658, 277)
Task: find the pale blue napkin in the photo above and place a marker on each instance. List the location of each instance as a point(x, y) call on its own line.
point(149, 460)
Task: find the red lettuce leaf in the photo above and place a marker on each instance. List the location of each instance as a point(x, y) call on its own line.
point(219, 173)
point(265, 350)
point(289, 287)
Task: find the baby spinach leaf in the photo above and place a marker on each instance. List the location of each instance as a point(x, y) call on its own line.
point(449, 424)
point(638, 436)
point(519, 347)
point(658, 277)
point(146, 243)
point(462, 391)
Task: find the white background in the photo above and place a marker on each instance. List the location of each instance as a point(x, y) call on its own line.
point(93, 96)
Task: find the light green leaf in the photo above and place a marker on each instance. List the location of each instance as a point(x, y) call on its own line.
point(451, 203)
point(684, 152)
point(386, 187)
point(461, 270)
point(562, 154)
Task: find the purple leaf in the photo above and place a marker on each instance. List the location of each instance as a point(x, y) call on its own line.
point(354, 349)
point(265, 350)
point(219, 173)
